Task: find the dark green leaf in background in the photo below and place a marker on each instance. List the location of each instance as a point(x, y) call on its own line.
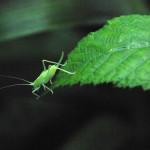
point(101, 133)
point(21, 18)
point(118, 53)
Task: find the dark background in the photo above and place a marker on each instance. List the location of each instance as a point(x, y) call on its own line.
point(101, 117)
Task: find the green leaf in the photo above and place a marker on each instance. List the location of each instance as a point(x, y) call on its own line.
point(118, 53)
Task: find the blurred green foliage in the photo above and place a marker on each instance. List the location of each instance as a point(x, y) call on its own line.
point(20, 18)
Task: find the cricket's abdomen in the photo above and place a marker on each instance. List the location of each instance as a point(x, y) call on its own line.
point(44, 77)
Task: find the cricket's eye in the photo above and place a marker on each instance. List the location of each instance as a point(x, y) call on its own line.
point(49, 66)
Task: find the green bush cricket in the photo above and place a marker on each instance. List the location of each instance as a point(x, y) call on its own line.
point(45, 76)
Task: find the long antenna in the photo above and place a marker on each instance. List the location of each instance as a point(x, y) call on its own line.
point(15, 78)
point(12, 86)
point(62, 55)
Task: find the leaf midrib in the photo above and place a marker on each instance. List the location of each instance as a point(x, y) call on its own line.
point(116, 64)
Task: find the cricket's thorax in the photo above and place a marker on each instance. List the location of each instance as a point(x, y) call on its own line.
point(45, 76)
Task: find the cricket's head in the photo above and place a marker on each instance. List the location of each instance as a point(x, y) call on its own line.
point(52, 67)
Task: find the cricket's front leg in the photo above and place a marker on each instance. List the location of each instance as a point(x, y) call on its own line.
point(47, 88)
point(50, 81)
point(51, 62)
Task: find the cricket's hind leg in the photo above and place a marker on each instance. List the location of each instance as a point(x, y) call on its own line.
point(33, 92)
point(66, 71)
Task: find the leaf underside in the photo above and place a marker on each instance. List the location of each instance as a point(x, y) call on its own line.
point(117, 53)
